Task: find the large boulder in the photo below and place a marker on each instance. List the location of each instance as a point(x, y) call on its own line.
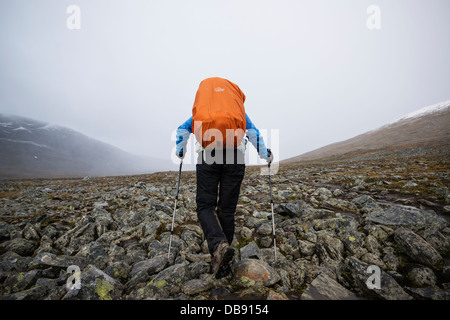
point(149, 266)
point(366, 204)
point(251, 272)
point(45, 260)
point(20, 246)
point(95, 285)
point(406, 216)
point(357, 275)
point(416, 247)
point(171, 278)
point(323, 287)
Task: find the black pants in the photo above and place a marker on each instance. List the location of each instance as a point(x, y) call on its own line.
point(218, 188)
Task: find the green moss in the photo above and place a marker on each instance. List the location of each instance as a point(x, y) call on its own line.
point(243, 242)
point(247, 282)
point(20, 276)
point(119, 273)
point(161, 284)
point(103, 289)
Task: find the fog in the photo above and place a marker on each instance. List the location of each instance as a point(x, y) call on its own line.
point(314, 72)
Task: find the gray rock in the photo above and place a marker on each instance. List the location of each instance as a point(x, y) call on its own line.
point(294, 273)
point(148, 229)
point(150, 266)
point(429, 293)
point(31, 232)
point(372, 244)
point(398, 215)
point(323, 193)
point(251, 272)
point(95, 285)
point(96, 253)
point(20, 281)
point(253, 222)
point(73, 240)
point(437, 239)
point(20, 246)
point(5, 231)
point(306, 248)
point(391, 260)
point(416, 247)
point(319, 214)
point(260, 214)
point(120, 226)
point(47, 259)
point(102, 216)
point(139, 279)
point(171, 278)
point(196, 286)
point(191, 237)
point(246, 233)
point(446, 272)
point(37, 292)
point(11, 261)
point(198, 268)
point(380, 232)
point(196, 257)
point(265, 229)
point(357, 275)
point(268, 254)
point(345, 227)
point(250, 251)
point(266, 242)
point(373, 259)
point(119, 270)
point(341, 205)
point(325, 288)
point(46, 245)
point(289, 245)
point(328, 247)
point(433, 221)
point(124, 218)
point(49, 231)
point(292, 209)
point(423, 276)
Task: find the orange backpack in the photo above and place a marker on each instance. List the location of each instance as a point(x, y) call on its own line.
point(219, 114)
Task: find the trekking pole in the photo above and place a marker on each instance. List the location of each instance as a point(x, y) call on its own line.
point(273, 218)
point(174, 210)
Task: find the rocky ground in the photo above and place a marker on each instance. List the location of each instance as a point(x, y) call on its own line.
point(338, 226)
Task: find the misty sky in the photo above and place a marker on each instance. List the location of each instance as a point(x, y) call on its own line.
point(312, 70)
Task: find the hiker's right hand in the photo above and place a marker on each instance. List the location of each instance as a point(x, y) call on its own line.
point(180, 155)
point(269, 156)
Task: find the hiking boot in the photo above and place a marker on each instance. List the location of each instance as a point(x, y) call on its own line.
point(222, 260)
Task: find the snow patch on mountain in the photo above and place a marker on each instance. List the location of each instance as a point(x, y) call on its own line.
point(441, 106)
point(48, 126)
point(26, 142)
point(21, 128)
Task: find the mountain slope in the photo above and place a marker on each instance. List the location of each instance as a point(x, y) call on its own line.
point(426, 130)
point(34, 149)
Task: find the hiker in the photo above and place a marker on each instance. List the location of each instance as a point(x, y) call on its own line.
point(220, 125)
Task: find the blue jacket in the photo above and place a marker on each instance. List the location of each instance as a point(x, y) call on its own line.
point(252, 133)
